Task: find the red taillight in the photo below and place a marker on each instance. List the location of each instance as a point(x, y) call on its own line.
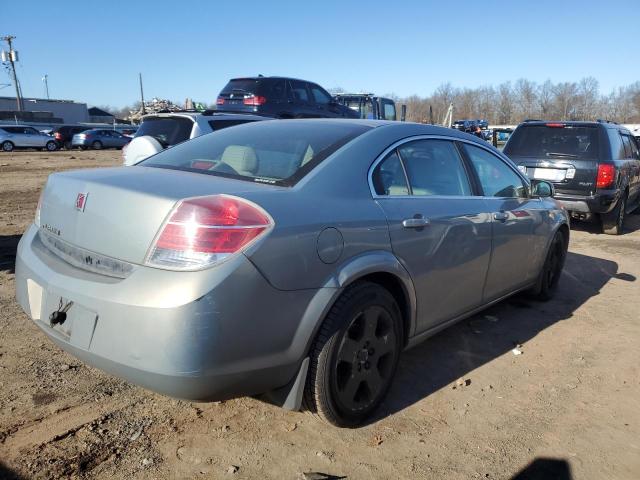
point(205, 230)
point(555, 125)
point(57, 136)
point(606, 175)
point(220, 101)
point(255, 101)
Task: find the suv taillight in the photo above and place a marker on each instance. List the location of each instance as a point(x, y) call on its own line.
point(57, 136)
point(606, 175)
point(203, 231)
point(220, 101)
point(255, 101)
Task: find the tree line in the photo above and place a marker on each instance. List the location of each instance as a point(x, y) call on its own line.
point(512, 102)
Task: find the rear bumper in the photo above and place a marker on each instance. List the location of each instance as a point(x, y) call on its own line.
point(601, 202)
point(232, 339)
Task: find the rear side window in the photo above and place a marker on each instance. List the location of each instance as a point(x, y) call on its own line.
point(389, 178)
point(561, 141)
point(496, 178)
point(628, 153)
point(635, 153)
point(434, 168)
point(279, 152)
point(167, 131)
point(299, 91)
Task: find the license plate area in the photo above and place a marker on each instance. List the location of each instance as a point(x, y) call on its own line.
point(551, 174)
point(78, 325)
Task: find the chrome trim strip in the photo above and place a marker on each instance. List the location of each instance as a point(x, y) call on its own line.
point(84, 259)
point(413, 138)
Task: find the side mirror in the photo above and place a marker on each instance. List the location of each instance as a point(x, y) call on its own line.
point(542, 189)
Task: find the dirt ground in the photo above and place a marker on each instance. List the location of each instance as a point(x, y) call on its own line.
point(463, 405)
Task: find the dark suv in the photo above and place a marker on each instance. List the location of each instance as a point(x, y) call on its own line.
point(594, 166)
point(64, 134)
point(280, 97)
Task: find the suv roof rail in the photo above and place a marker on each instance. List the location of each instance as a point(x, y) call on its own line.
point(531, 120)
point(606, 121)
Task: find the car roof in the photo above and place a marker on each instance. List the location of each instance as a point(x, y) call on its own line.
point(275, 77)
point(209, 114)
point(578, 123)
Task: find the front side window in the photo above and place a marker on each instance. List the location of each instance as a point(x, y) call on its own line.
point(389, 178)
point(389, 110)
point(319, 95)
point(434, 167)
point(496, 178)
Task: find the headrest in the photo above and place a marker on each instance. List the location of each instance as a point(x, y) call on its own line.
point(243, 159)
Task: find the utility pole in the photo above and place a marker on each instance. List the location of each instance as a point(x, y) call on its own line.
point(45, 79)
point(141, 93)
point(13, 57)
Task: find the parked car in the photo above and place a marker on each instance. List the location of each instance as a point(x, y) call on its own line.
point(594, 166)
point(99, 138)
point(292, 259)
point(368, 105)
point(65, 133)
point(162, 130)
point(281, 97)
point(24, 136)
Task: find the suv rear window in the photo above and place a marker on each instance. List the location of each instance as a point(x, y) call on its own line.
point(562, 141)
point(279, 152)
point(166, 130)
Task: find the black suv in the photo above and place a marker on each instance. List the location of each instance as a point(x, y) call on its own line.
point(64, 134)
point(280, 97)
point(594, 166)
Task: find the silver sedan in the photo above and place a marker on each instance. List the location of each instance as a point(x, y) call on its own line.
point(290, 258)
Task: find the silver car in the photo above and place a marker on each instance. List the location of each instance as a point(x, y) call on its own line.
point(98, 139)
point(24, 136)
point(290, 258)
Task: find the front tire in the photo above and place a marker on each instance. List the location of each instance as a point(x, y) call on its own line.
point(7, 146)
point(613, 222)
point(51, 146)
point(355, 355)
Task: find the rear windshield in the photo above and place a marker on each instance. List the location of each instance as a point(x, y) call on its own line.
point(241, 87)
point(166, 130)
point(276, 152)
point(566, 141)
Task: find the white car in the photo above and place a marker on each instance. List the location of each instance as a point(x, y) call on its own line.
point(24, 136)
point(162, 130)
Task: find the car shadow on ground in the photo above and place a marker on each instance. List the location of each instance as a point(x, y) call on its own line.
point(8, 247)
point(7, 474)
point(453, 353)
point(631, 224)
point(545, 469)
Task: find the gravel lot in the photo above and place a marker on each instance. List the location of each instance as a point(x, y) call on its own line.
point(463, 405)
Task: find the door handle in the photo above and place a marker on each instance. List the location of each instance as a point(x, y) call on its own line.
point(418, 222)
point(501, 216)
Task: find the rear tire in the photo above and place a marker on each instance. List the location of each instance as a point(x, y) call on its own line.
point(97, 145)
point(7, 146)
point(613, 222)
point(355, 355)
point(549, 276)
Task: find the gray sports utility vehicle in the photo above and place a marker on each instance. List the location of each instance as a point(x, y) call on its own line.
point(594, 166)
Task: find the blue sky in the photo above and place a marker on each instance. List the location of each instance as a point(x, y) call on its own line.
point(93, 51)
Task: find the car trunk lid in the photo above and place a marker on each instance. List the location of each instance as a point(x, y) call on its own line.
point(117, 212)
